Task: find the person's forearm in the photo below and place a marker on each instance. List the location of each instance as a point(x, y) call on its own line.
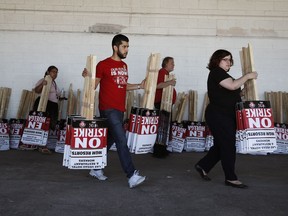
point(39, 88)
point(133, 86)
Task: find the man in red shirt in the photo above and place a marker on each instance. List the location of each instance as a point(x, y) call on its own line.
point(167, 67)
point(112, 75)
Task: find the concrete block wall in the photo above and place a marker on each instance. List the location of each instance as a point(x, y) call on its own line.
point(37, 33)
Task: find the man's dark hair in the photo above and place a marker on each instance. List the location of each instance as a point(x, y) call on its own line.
point(117, 40)
point(165, 61)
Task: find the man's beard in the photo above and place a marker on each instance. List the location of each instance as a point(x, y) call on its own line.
point(121, 56)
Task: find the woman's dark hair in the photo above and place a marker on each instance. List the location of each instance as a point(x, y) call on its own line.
point(165, 61)
point(216, 58)
point(117, 40)
point(49, 69)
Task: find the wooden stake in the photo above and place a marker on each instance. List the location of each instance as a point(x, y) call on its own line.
point(247, 64)
point(78, 101)
point(151, 81)
point(167, 94)
point(44, 94)
point(88, 99)
point(205, 103)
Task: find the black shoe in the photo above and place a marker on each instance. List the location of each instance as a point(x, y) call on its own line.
point(202, 173)
point(228, 183)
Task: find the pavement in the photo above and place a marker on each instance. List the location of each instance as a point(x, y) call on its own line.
point(35, 184)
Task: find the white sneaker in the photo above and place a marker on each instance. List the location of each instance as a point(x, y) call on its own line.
point(136, 179)
point(99, 174)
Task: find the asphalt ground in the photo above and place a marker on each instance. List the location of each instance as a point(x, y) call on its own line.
point(35, 184)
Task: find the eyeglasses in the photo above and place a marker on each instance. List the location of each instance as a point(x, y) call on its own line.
point(226, 59)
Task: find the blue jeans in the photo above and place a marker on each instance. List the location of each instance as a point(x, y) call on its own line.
point(117, 134)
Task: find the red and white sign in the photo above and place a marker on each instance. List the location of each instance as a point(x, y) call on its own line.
point(16, 131)
point(281, 138)
point(146, 128)
point(36, 129)
point(4, 135)
point(195, 137)
point(256, 133)
point(87, 144)
point(178, 132)
point(60, 144)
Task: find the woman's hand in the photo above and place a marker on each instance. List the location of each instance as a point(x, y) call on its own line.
point(252, 75)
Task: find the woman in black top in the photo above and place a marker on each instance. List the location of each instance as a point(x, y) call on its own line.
point(223, 92)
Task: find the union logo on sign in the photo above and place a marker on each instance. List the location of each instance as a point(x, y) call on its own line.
point(82, 124)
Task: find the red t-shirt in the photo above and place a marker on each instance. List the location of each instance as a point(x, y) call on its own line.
point(113, 83)
point(161, 78)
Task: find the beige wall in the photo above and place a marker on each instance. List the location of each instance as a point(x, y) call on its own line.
point(244, 18)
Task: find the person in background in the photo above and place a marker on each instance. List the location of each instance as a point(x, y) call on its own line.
point(52, 104)
point(223, 92)
point(167, 67)
point(112, 75)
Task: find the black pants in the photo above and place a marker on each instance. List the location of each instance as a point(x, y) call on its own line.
point(51, 110)
point(223, 129)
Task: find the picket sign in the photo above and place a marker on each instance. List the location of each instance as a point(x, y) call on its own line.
point(195, 136)
point(209, 140)
point(16, 131)
point(131, 133)
point(52, 137)
point(4, 135)
point(87, 140)
point(36, 129)
point(256, 133)
point(66, 152)
point(178, 131)
point(60, 144)
point(281, 138)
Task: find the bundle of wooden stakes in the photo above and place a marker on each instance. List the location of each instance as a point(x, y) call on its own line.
point(74, 102)
point(45, 94)
point(4, 101)
point(88, 99)
point(247, 64)
point(151, 81)
point(205, 103)
point(179, 107)
point(279, 105)
point(26, 103)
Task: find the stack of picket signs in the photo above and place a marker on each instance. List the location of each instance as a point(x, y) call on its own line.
point(85, 143)
point(142, 130)
point(4, 125)
point(256, 133)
